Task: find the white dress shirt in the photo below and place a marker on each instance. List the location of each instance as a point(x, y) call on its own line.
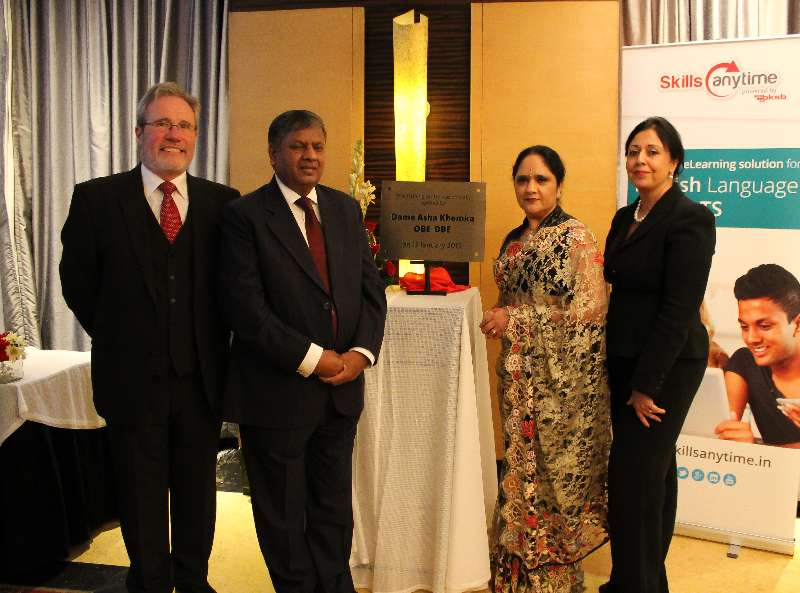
point(151, 181)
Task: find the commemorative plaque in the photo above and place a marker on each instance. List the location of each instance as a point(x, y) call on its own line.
point(433, 220)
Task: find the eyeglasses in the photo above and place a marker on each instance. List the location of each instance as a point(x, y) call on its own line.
point(164, 125)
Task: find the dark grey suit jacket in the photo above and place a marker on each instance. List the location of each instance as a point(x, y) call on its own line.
point(106, 281)
point(658, 277)
point(277, 306)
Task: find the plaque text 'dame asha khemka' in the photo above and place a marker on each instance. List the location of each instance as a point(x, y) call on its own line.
point(433, 220)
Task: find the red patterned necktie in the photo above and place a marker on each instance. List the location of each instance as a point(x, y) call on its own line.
point(316, 241)
point(170, 217)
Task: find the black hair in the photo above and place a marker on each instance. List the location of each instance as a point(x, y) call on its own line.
point(770, 281)
point(290, 121)
point(550, 158)
point(668, 135)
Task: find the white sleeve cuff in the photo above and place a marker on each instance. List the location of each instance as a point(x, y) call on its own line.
point(310, 360)
point(365, 352)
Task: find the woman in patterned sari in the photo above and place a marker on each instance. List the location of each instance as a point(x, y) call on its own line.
point(551, 508)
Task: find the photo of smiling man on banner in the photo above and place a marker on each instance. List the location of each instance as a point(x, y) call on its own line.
point(766, 372)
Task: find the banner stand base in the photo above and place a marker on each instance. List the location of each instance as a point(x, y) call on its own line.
point(748, 540)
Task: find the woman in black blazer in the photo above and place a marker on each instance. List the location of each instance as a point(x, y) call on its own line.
point(657, 259)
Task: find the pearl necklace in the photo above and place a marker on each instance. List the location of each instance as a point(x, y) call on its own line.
point(636, 212)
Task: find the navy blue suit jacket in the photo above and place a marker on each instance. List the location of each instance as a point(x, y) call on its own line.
point(277, 306)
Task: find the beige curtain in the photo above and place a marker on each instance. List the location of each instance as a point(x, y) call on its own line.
point(646, 22)
point(77, 70)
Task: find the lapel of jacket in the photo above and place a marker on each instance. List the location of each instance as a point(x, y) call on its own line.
point(134, 208)
point(659, 212)
point(199, 208)
point(282, 223)
point(334, 224)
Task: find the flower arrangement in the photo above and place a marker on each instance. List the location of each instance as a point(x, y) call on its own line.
point(361, 189)
point(12, 351)
point(363, 192)
point(12, 347)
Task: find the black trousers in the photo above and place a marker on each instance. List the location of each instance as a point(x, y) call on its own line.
point(642, 478)
point(165, 469)
point(301, 489)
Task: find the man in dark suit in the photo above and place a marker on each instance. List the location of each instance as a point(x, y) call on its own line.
point(139, 269)
point(307, 307)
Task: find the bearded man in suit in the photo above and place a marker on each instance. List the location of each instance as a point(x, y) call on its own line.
point(307, 307)
point(139, 269)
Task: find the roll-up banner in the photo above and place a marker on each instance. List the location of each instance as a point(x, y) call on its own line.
point(736, 105)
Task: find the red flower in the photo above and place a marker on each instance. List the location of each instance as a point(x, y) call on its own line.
point(598, 258)
point(3, 347)
point(374, 248)
point(515, 348)
point(371, 225)
point(532, 521)
point(513, 249)
point(516, 375)
point(528, 428)
point(390, 269)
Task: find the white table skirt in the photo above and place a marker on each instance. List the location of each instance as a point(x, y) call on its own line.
point(424, 473)
point(56, 390)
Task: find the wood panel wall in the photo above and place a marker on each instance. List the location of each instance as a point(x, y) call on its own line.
point(294, 59)
point(448, 95)
point(543, 73)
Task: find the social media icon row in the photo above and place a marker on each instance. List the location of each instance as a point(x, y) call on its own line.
point(698, 475)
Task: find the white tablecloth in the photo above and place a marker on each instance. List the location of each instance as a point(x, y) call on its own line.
point(56, 390)
point(424, 473)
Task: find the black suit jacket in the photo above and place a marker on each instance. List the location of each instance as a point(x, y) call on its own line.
point(658, 277)
point(277, 305)
point(106, 281)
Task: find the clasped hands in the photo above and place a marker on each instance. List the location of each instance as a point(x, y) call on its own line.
point(334, 368)
point(495, 322)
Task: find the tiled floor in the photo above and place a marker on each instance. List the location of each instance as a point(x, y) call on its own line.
point(695, 566)
point(236, 564)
